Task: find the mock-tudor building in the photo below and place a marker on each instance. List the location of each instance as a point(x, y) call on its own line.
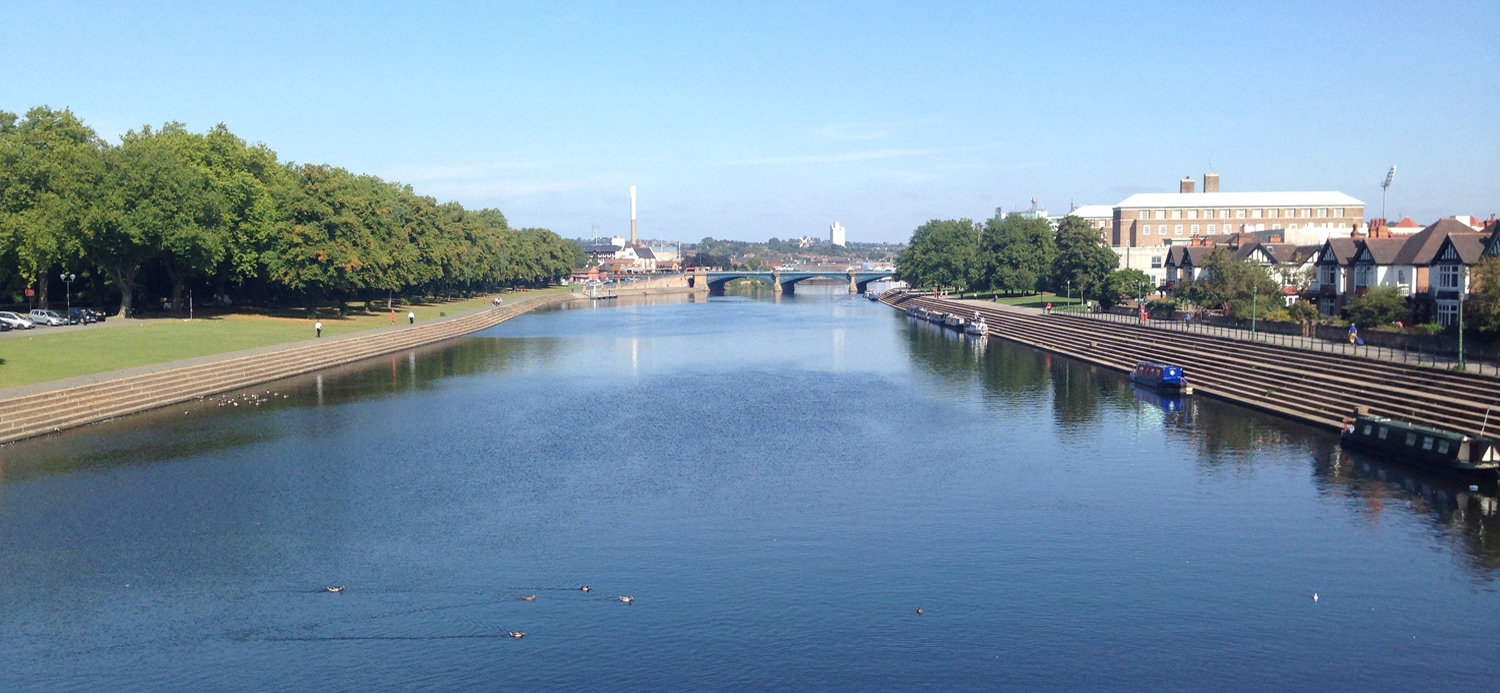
point(1428, 267)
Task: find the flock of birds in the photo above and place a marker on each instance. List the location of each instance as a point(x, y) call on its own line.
point(626, 598)
point(249, 399)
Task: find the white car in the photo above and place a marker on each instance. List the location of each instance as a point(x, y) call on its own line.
point(42, 316)
point(16, 322)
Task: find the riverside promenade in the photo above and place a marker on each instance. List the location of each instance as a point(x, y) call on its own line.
point(1292, 378)
point(42, 408)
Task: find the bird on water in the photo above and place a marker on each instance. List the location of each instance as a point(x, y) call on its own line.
point(334, 588)
point(585, 588)
point(528, 597)
point(627, 598)
point(518, 634)
point(919, 611)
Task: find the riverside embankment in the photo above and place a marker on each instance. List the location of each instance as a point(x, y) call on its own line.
point(1309, 386)
point(49, 407)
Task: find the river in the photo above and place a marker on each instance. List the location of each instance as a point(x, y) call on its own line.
point(779, 484)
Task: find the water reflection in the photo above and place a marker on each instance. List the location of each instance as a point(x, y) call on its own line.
point(1463, 512)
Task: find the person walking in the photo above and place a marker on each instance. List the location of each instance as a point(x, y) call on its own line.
point(411, 318)
point(318, 327)
point(1353, 333)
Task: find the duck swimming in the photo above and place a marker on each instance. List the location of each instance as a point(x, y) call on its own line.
point(585, 588)
point(528, 598)
point(627, 598)
point(334, 588)
point(518, 634)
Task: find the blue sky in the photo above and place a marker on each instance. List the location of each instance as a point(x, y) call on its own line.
point(777, 118)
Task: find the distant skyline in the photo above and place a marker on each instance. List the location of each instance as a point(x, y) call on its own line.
point(777, 118)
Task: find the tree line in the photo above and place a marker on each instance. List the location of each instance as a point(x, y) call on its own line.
point(167, 210)
point(1018, 255)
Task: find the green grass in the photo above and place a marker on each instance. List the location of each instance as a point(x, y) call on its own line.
point(1038, 301)
point(52, 353)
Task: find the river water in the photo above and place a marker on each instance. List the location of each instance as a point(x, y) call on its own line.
point(779, 484)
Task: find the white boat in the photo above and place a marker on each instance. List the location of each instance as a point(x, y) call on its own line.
point(977, 327)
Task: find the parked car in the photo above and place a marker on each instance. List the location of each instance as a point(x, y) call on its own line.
point(81, 316)
point(50, 318)
point(16, 321)
point(5, 326)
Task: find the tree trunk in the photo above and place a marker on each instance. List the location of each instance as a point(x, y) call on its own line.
point(179, 280)
point(124, 277)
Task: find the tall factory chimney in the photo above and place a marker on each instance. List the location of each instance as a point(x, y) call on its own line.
point(632, 215)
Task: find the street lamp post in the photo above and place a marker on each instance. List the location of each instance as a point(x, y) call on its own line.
point(1069, 284)
point(67, 280)
point(1462, 272)
point(1254, 298)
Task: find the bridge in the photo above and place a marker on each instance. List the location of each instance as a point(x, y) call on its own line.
point(785, 281)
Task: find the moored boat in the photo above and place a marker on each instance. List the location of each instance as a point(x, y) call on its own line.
point(977, 327)
point(936, 316)
point(952, 320)
point(1447, 451)
point(1161, 376)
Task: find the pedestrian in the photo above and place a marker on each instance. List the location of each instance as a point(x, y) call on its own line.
point(318, 327)
point(1353, 333)
point(393, 316)
point(1187, 319)
point(1048, 309)
point(411, 318)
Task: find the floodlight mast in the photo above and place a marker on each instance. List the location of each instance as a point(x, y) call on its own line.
point(1389, 176)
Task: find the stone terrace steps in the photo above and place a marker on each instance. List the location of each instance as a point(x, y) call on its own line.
point(1318, 388)
point(44, 412)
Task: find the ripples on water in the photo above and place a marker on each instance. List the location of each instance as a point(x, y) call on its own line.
point(778, 484)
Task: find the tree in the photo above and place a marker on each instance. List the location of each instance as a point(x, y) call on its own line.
point(1015, 254)
point(1482, 307)
point(1380, 305)
point(1127, 283)
point(942, 253)
point(1083, 261)
point(44, 160)
point(1239, 286)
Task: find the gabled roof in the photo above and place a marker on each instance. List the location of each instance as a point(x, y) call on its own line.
point(1339, 250)
point(1384, 251)
point(644, 253)
point(1468, 246)
point(1284, 253)
point(1188, 255)
point(1240, 199)
point(1423, 246)
point(1407, 224)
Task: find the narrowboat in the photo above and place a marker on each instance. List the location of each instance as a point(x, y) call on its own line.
point(870, 294)
point(977, 327)
point(952, 320)
point(917, 312)
point(1446, 451)
point(1161, 376)
point(936, 316)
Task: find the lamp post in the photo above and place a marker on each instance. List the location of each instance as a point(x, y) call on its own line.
point(67, 280)
point(1069, 284)
point(1254, 298)
point(1462, 272)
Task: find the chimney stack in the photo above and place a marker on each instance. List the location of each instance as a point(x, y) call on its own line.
point(1210, 182)
point(1186, 185)
point(632, 215)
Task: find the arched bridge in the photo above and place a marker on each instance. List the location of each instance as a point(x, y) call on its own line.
point(784, 281)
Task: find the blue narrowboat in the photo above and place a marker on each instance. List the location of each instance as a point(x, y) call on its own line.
point(1162, 377)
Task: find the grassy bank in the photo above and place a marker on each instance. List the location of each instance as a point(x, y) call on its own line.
point(52, 353)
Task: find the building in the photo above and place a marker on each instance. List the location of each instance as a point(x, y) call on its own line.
point(1100, 217)
point(1429, 267)
point(1147, 219)
point(836, 234)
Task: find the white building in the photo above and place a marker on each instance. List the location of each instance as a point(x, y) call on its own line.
point(836, 234)
point(1100, 217)
point(1147, 219)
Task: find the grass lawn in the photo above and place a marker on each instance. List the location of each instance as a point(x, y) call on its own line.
point(1038, 301)
point(52, 353)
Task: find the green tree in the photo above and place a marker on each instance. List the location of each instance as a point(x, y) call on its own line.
point(44, 163)
point(1380, 305)
point(1015, 254)
point(1083, 261)
point(941, 253)
point(1240, 286)
point(1482, 306)
point(1127, 283)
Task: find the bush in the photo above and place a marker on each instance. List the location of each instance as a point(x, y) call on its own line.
point(1427, 328)
point(1161, 308)
point(1277, 315)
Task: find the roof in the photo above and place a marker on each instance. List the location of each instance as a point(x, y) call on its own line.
point(1342, 250)
point(1384, 251)
point(1093, 211)
point(1406, 223)
point(1422, 246)
point(644, 253)
point(593, 249)
point(1241, 199)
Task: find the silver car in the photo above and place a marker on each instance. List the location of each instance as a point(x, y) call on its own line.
point(15, 321)
point(50, 318)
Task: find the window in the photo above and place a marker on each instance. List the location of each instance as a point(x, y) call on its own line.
point(1447, 312)
point(1411, 438)
point(1400, 276)
point(1211, 228)
point(1306, 213)
point(1177, 231)
point(1146, 230)
point(1328, 275)
point(1361, 276)
point(1367, 429)
point(1338, 211)
point(1161, 214)
point(1293, 226)
point(1383, 431)
point(1255, 213)
point(1322, 212)
point(1195, 229)
point(1192, 214)
point(1176, 214)
point(1223, 214)
point(1274, 213)
point(1426, 442)
point(1443, 446)
point(1155, 262)
point(1239, 214)
point(1447, 277)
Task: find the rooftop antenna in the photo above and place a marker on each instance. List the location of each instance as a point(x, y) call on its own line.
point(1389, 176)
